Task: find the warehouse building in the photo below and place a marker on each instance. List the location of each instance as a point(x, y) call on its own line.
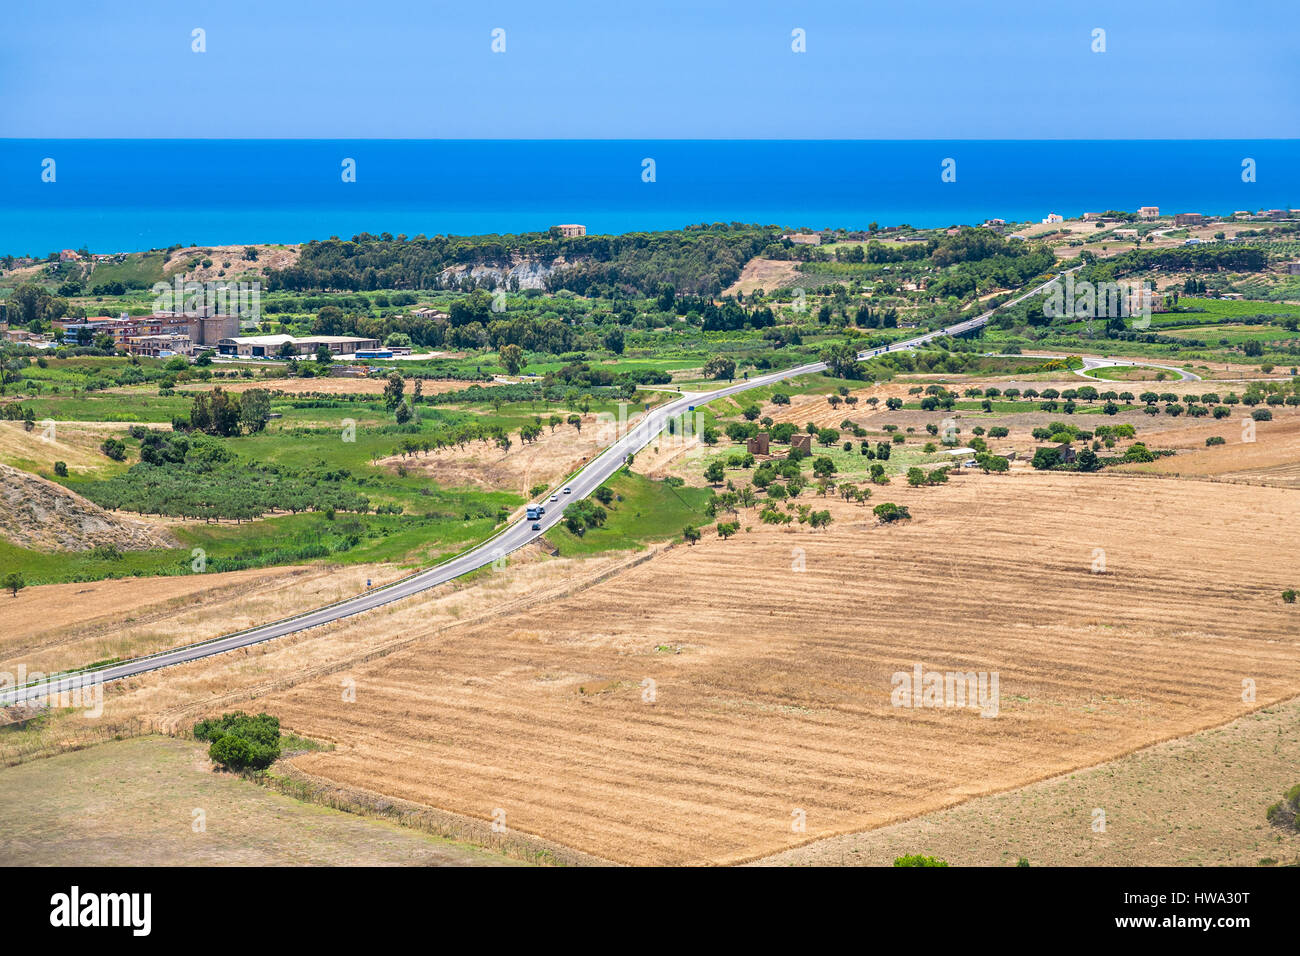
point(274, 346)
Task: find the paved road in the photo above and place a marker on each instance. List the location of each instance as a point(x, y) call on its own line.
point(592, 475)
point(1094, 361)
point(1090, 362)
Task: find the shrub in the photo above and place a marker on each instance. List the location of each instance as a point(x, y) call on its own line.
point(888, 512)
point(1214, 440)
point(1289, 595)
point(1262, 415)
point(61, 469)
point(916, 859)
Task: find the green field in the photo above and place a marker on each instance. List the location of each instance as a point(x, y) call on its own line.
point(644, 510)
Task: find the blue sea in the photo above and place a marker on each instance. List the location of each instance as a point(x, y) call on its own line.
point(130, 195)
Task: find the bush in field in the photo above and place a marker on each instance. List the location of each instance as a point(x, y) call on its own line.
point(1262, 415)
point(1286, 813)
point(915, 859)
point(889, 512)
point(114, 449)
point(1214, 440)
point(61, 469)
point(1289, 595)
point(241, 742)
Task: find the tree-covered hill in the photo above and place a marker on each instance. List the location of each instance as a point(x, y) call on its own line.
point(698, 260)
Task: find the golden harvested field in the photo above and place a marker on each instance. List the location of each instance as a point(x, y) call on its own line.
point(1194, 801)
point(771, 686)
point(814, 408)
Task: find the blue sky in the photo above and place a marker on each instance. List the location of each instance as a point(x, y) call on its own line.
point(910, 69)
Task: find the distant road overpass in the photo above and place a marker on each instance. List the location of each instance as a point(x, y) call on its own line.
point(511, 538)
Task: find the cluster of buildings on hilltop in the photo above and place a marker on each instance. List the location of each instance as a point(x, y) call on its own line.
point(159, 335)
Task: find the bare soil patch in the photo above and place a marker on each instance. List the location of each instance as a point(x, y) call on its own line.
point(1260, 453)
point(766, 274)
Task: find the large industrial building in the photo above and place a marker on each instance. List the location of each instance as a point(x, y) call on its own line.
point(272, 346)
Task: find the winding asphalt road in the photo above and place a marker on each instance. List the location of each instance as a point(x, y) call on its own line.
point(515, 536)
point(1091, 362)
